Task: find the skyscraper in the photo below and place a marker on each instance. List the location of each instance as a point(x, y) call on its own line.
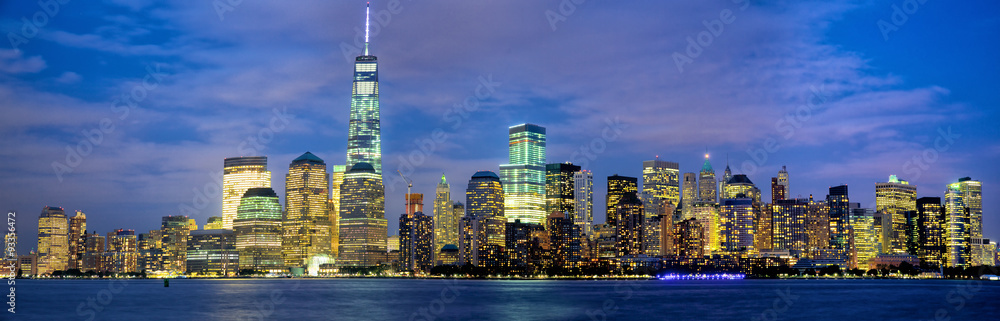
point(416, 242)
point(174, 232)
point(123, 252)
point(706, 183)
point(707, 216)
point(629, 218)
point(77, 236)
point(777, 191)
point(364, 134)
point(53, 242)
point(783, 181)
point(661, 179)
point(212, 253)
point(483, 227)
point(972, 196)
point(619, 187)
point(583, 201)
point(524, 175)
point(445, 218)
point(737, 230)
point(894, 198)
point(362, 217)
point(336, 178)
point(559, 188)
point(238, 175)
point(956, 227)
point(306, 223)
point(788, 224)
point(932, 234)
point(690, 195)
point(258, 231)
point(839, 205)
point(865, 237)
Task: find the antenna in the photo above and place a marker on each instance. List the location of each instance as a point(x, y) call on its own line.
point(406, 198)
point(368, 8)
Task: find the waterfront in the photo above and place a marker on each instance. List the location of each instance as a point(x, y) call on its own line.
point(426, 299)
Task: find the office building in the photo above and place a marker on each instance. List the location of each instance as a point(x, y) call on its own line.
point(238, 175)
point(524, 175)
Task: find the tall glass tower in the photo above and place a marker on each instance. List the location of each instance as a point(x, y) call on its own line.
point(306, 223)
point(362, 217)
point(364, 134)
point(240, 174)
point(524, 175)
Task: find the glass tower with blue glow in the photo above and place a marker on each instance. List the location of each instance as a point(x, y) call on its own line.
point(364, 136)
point(524, 176)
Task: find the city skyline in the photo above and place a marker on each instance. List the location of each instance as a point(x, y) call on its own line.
point(88, 187)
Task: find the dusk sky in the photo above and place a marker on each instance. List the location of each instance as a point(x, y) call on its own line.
point(840, 97)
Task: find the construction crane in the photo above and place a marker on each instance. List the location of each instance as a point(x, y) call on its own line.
point(406, 198)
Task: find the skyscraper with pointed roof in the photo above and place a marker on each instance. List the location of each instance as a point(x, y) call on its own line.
point(445, 217)
point(706, 183)
point(364, 134)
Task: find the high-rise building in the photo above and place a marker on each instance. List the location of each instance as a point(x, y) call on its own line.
point(688, 239)
point(629, 217)
point(212, 253)
point(523, 245)
point(707, 216)
point(364, 134)
point(864, 236)
point(77, 236)
point(362, 217)
point(783, 181)
point(416, 242)
point(559, 188)
point(564, 240)
point(706, 183)
point(306, 223)
point(894, 198)
point(737, 230)
point(690, 195)
point(932, 233)
point(727, 175)
point(93, 252)
point(788, 224)
point(839, 205)
point(583, 201)
point(53, 242)
point(214, 223)
point(777, 191)
point(123, 252)
point(174, 232)
point(445, 218)
point(818, 224)
point(618, 188)
point(661, 179)
point(741, 185)
point(482, 229)
point(972, 196)
point(956, 227)
point(333, 207)
point(258, 231)
point(414, 203)
point(524, 175)
point(238, 175)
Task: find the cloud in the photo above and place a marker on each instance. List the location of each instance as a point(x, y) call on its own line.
point(68, 77)
point(13, 62)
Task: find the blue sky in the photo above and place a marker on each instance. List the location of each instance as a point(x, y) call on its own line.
point(861, 105)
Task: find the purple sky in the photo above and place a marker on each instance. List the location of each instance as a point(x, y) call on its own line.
point(838, 101)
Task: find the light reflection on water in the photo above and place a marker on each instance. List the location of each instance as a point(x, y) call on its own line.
point(413, 299)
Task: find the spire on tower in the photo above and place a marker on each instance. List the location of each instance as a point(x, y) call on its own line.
point(368, 8)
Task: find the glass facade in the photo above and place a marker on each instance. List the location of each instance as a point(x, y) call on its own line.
point(416, 242)
point(445, 218)
point(333, 207)
point(706, 183)
point(306, 225)
point(661, 179)
point(583, 201)
point(364, 134)
point(363, 227)
point(559, 188)
point(238, 175)
point(894, 198)
point(524, 174)
point(956, 232)
point(258, 231)
point(618, 188)
point(212, 253)
point(53, 241)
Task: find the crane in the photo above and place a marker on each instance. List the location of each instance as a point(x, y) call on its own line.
point(406, 198)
